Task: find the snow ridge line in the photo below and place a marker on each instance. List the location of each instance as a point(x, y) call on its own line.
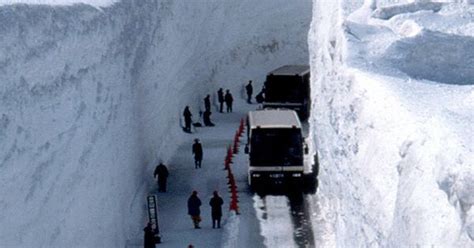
point(229, 238)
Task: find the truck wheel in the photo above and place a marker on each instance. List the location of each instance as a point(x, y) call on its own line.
point(310, 183)
point(316, 166)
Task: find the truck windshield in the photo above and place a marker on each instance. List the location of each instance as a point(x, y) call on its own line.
point(284, 89)
point(276, 147)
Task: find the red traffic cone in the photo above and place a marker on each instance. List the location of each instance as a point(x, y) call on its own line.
point(241, 127)
point(236, 147)
point(229, 153)
point(234, 206)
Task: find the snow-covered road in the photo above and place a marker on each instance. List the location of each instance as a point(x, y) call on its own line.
point(264, 221)
point(176, 225)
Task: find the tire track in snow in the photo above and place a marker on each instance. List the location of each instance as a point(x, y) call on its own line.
point(301, 217)
point(284, 221)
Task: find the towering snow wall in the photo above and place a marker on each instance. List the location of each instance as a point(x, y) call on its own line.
point(395, 149)
point(90, 101)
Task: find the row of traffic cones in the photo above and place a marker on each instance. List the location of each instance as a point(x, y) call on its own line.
point(234, 206)
point(237, 136)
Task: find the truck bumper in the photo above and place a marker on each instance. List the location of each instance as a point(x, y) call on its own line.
point(260, 180)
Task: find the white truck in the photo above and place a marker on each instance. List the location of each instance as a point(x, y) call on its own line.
point(275, 145)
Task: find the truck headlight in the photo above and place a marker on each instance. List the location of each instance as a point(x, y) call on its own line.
point(255, 175)
point(296, 175)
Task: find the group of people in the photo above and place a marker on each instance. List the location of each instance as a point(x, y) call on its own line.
point(194, 209)
point(228, 99)
point(222, 98)
point(161, 172)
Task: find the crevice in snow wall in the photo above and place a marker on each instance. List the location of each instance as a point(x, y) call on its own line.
point(90, 101)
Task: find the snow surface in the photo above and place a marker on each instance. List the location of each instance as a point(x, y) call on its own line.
point(175, 225)
point(96, 3)
point(91, 98)
point(392, 123)
point(90, 101)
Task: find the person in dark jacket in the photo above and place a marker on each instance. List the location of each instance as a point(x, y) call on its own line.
point(216, 210)
point(194, 204)
point(228, 100)
point(187, 119)
point(162, 173)
point(249, 90)
point(220, 97)
point(149, 237)
point(260, 97)
point(197, 151)
point(207, 119)
point(207, 103)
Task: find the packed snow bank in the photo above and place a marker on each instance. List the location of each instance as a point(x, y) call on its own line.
point(444, 58)
point(395, 149)
point(391, 11)
point(231, 231)
point(96, 3)
point(90, 101)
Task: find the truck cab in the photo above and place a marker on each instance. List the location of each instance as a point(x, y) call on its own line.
point(275, 145)
point(289, 87)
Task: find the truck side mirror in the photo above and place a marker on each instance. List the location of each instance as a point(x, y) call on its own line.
point(246, 149)
point(306, 148)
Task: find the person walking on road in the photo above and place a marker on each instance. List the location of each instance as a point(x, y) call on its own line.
point(149, 237)
point(207, 119)
point(207, 103)
point(187, 119)
point(260, 97)
point(162, 173)
point(249, 89)
point(216, 210)
point(197, 151)
point(228, 101)
point(194, 204)
point(220, 97)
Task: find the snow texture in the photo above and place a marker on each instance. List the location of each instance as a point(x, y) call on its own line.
point(392, 122)
point(96, 3)
point(90, 102)
point(391, 11)
point(92, 94)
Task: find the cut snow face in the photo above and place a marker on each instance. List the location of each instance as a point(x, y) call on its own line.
point(392, 122)
point(91, 100)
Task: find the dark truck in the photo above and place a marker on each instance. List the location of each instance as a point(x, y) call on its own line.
point(289, 87)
